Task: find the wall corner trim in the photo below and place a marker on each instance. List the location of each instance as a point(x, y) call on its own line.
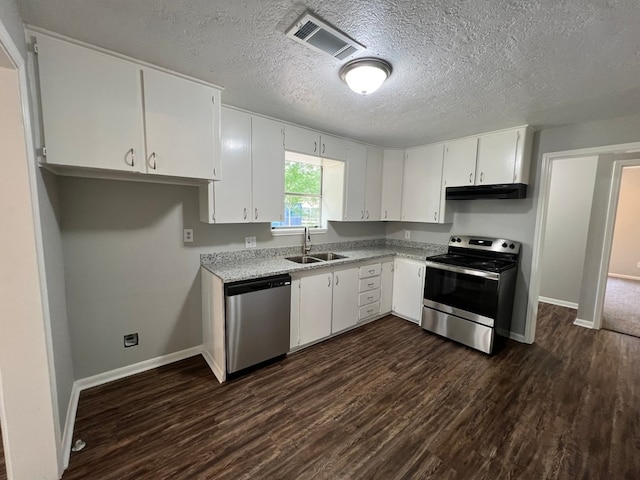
point(110, 376)
point(560, 303)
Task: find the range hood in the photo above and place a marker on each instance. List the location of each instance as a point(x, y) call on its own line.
point(474, 192)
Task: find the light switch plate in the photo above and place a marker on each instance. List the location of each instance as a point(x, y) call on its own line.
point(187, 235)
point(250, 242)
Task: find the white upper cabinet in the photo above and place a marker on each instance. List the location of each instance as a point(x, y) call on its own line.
point(180, 118)
point(373, 189)
point(309, 142)
point(252, 189)
point(98, 110)
point(355, 183)
point(91, 108)
point(460, 162)
point(333, 147)
point(504, 157)
point(392, 168)
point(422, 190)
point(267, 153)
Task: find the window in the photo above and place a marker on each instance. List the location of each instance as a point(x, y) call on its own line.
point(303, 192)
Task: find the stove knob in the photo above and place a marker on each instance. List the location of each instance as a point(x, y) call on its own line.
point(459, 239)
point(504, 245)
point(453, 239)
point(512, 246)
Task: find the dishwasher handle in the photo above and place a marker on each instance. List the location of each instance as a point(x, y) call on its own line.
point(248, 286)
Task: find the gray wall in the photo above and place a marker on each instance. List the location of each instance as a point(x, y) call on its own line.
point(565, 241)
point(128, 271)
point(625, 251)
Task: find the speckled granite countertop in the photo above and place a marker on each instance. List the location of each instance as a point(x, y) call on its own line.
point(249, 264)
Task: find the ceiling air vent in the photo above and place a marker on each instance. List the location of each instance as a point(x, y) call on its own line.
point(321, 36)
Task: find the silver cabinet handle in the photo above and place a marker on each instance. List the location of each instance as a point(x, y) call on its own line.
point(337, 279)
point(132, 155)
point(481, 177)
point(385, 214)
point(256, 214)
point(435, 216)
point(361, 214)
point(244, 213)
point(370, 298)
point(323, 148)
point(471, 177)
point(329, 281)
point(372, 271)
point(419, 272)
point(370, 310)
point(370, 285)
point(215, 174)
point(315, 147)
point(153, 165)
point(367, 214)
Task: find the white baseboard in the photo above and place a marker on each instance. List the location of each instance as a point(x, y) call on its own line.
point(584, 323)
point(560, 303)
point(217, 371)
point(625, 277)
point(106, 377)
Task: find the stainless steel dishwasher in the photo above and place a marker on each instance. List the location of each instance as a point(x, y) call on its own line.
point(258, 318)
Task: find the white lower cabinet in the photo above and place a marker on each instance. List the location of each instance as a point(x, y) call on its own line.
point(408, 288)
point(316, 300)
point(386, 287)
point(345, 300)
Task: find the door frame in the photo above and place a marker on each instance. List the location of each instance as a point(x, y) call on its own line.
point(605, 259)
point(541, 222)
point(9, 48)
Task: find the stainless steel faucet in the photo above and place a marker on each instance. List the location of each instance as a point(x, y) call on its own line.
point(306, 246)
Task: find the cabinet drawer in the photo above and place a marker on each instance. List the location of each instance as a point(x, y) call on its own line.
point(370, 270)
point(365, 298)
point(368, 311)
point(369, 284)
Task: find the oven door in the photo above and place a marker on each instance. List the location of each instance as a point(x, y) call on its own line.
point(467, 293)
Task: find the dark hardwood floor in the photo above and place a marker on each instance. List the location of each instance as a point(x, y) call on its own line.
point(386, 401)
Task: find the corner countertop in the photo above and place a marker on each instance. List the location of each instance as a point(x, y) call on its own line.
point(247, 265)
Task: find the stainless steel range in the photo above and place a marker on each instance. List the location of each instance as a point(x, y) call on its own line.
point(468, 293)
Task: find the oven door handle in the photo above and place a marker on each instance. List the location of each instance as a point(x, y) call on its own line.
point(466, 271)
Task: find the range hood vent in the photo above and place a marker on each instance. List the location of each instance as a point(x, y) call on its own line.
point(475, 192)
point(322, 37)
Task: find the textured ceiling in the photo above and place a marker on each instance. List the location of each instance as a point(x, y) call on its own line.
point(460, 66)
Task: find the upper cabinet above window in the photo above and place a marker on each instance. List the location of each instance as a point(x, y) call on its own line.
point(302, 140)
point(98, 110)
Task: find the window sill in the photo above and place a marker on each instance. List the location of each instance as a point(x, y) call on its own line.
point(282, 232)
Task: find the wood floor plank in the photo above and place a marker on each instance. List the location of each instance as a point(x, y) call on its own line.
point(388, 401)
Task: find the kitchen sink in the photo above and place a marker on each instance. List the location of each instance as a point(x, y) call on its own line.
point(303, 259)
point(315, 258)
point(328, 256)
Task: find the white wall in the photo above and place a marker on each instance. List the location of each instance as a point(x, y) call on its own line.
point(28, 413)
point(128, 271)
point(565, 241)
point(625, 250)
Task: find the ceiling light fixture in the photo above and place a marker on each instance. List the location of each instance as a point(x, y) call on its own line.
point(365, 75)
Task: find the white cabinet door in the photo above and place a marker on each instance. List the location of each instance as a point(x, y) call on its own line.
point(422, 184)
point(267, 147)
point(373, 189)
point(497, 157)
point(386, 287)
point(460, 162)
point(392, 168)
point(355, 183)
point(91, 107)
point(232, 195)
point(333, 147)
point(301, 140)
point(180, 120)
point(345, 299)
point(408, 288)
point(315, 307)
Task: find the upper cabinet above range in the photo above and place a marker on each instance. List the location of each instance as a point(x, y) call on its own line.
point(302, 140)
point(494, 158)
point(106, 114)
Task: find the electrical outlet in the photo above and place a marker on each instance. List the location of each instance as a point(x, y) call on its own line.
point(130, 340)
point(187, 235)
point(407, 234)
point(250, 242)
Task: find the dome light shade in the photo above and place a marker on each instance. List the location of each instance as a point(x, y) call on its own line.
point(365, 75)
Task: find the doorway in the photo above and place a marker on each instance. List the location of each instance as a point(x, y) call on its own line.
point(621, 308)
